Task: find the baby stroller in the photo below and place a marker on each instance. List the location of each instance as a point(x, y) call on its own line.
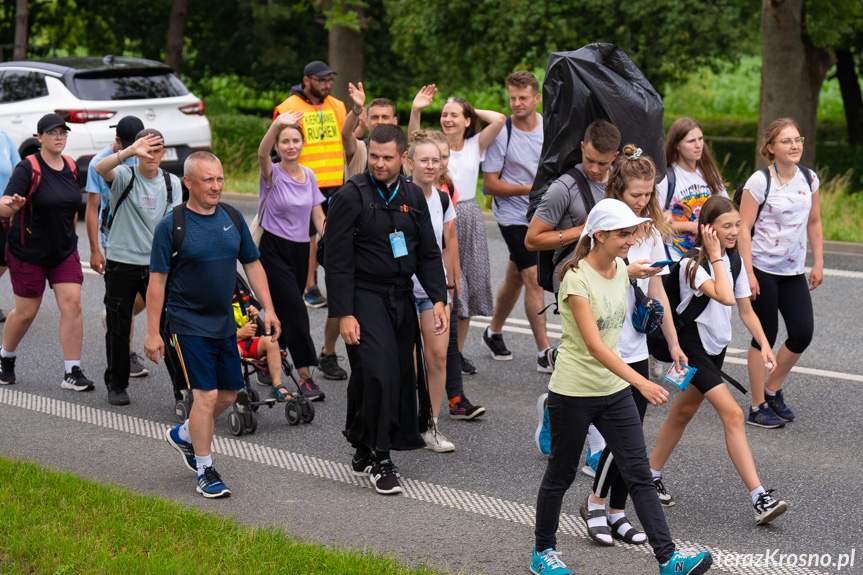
point(242, 417)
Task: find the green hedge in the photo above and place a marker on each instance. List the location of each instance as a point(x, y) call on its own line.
point(236, 138)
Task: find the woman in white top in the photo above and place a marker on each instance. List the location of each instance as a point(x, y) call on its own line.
point(460, 122)
point(424, 159)
point(783, 213)
point(705, 341)
point(695, 177)
point(633, 182)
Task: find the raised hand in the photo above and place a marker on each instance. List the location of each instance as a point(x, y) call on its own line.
point(357, 94)
point(424, 97)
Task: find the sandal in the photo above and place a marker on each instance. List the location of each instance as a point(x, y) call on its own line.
point(282, 394)
point(630, 534)
point(595, 532)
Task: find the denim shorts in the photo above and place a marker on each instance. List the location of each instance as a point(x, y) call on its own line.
point(424, 303)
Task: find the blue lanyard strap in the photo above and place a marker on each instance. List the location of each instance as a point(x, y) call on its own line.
point(387, 201)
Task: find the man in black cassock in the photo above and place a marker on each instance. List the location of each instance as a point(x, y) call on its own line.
point(378, 235)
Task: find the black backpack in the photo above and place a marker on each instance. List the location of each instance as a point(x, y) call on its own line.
point(178, 233)
point(656, 343)
point(738, 193)
point(546, 263)
point(369, 205)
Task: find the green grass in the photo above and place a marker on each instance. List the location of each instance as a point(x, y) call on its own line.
point(841, 211)
point(57, 523)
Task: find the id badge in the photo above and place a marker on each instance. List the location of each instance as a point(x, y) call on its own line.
point(397, 241)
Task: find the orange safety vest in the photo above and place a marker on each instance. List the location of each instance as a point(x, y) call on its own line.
point(323, 152)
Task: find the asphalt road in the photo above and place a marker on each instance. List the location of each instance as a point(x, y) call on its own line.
point(471, 511)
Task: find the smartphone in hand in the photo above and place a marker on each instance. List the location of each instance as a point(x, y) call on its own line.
point(661, 264)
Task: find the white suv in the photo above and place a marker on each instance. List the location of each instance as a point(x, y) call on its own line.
point(92, 94)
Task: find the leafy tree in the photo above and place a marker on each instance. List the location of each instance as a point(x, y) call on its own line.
point(465, 43)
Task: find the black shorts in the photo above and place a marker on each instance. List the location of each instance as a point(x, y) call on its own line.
point(708, 375)
point(518, 253)
point(328, 193)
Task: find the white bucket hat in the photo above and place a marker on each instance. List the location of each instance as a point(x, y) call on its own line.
point(610, 214)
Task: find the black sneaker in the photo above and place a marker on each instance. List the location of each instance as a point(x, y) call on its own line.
point(118, 397)
point(495, 345)
point(467, 367)
point(383, 477)
point(76, 381)
point(463, 409)
point(768, 508)
point(545, 362)
point(362, 467)
point(329, 366)
point(314, 298)
point(665, 497)
point(311, 390)
point(7, 370)
point(2, 316)
point(136, 366)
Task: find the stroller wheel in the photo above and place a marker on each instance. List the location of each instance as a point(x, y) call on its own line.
point(307, 410)
point(235, 423)
point(255, 397)
point(250, 422)
point(182, 408)
point(292, 412)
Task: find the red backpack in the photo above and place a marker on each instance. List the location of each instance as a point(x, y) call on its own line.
point(35, 180)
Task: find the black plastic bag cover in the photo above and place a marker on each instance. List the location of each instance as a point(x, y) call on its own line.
point(596, 82)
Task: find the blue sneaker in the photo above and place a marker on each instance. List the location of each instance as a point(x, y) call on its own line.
point(543, 429)
point(548, 563)
point(591, 462)
point(687, 564)
point(172, 436)
point(763, 416)
point(210, 484)
point(777, 404)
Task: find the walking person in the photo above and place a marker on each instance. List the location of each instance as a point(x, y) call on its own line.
point(9, 158)
point(460, 122)
point(708, 273)
point(633, 182)
point(591, 383)
point(289, 200)
point(508, 172)
point(43, 245)
point(779, 211)
point(378, 236)
point(141, 196)
point(692, 177)
point(199, 310)
point(424, 162)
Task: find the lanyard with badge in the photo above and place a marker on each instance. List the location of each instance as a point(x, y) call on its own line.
point(397, 238)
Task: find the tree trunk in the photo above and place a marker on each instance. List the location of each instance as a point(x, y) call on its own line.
point(176, 26)
point(346, 55)
point(846, 72)
point(792, 72)
point(19, 52)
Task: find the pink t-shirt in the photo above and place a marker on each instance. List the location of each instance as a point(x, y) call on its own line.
point(289, 204)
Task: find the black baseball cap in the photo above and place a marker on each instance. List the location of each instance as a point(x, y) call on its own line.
point(127, 130)
point(148, 131)
point(50, 121)
point(317, 68)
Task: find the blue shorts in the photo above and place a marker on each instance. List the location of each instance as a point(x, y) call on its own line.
point(209, 363)
point(424, 303)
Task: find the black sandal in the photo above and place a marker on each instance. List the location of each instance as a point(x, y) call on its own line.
point(630, 534)
point(282, 394)
point(595, 532)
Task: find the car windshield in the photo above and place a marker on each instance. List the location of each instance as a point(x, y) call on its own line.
point(128, 85)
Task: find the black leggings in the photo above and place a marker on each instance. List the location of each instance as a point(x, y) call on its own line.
point(608, 477)
point(788, 295)
point(454, 382)
point(286, 264)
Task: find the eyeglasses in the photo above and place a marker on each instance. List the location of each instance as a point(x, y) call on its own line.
point(788, 141)
point(322, 80)
point(61, 134)
point(425, 162)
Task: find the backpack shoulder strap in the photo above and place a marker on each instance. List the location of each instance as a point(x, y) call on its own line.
point(671, 178)
point(234, 215)
point(35, 173)
point(583, 189)
point(444, 201)
point(364, 185)
point(110, 216)
point(72, 165)
point(807, 173)
point(736, 265)
point(168, 186)
point(508, 137)
point(178, 230)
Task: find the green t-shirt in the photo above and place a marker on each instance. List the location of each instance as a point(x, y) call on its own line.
point(576, 372)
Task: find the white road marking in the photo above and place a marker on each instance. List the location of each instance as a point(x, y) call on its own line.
point(441, 495)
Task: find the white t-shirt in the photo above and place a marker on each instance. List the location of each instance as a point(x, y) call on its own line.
point(633, 344)
point(690, 193)
point(517, 165)
point(464, 168)
point(779, 243)
point(714, 323)
point(438, 219)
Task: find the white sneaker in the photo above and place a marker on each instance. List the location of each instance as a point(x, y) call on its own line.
point(436, 441)
point(658, 369)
